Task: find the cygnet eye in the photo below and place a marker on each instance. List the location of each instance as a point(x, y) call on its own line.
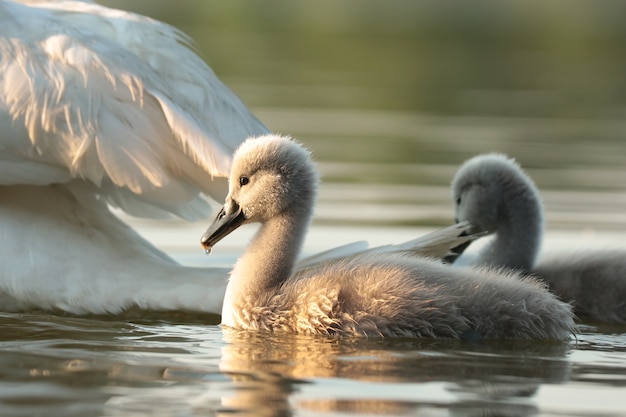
point(458, 201)
point(243, 180)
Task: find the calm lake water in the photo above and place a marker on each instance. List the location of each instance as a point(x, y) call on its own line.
point(391, 96)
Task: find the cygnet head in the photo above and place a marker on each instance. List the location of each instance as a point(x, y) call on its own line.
point(270, 175)
point(491, 192)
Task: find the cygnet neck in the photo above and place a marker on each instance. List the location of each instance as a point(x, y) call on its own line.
point(518, 230)
point(269, 259)
point(273, 251)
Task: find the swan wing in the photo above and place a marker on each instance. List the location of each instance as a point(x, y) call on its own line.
point(445, 244)
point(334, 253)
point(117, 100)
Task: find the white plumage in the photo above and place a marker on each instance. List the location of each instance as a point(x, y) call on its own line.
point(117, 100)
point(101, 106)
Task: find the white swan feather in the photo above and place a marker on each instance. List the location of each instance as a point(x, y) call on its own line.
point(116, 99)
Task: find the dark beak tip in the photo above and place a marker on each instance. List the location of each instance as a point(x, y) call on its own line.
point(224, 223)
point(204, 242)
point(207, 248)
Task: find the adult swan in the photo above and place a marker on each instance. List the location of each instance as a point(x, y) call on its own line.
point(102, 107)
point(273, 181)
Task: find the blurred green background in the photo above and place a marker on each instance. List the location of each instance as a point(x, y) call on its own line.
point(533, 58)
point(402, 91)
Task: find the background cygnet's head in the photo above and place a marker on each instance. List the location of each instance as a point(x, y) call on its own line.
point(491, 191)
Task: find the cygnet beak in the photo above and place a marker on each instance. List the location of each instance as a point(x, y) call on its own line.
point(228, 219)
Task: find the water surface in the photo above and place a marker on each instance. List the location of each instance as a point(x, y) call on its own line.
point(59, 366)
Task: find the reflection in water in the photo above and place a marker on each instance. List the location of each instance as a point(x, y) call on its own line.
point(64, 366)
point(271, 373)
point(46, 369)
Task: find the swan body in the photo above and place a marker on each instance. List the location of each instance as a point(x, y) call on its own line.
point(75, 256)
point(594, 282)
point(99, 108)
point(493, 193)
point(273, 181)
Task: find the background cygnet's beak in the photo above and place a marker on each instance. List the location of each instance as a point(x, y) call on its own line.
point(228, 219)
